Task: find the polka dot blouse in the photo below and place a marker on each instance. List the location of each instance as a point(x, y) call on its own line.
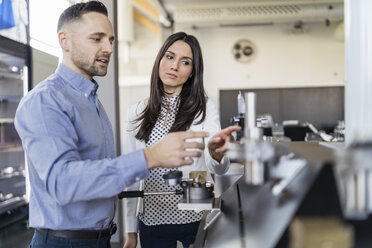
point(162, 209)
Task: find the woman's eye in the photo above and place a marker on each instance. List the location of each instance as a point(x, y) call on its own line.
point(186, 62)
point(96, 39)
point(169, 57)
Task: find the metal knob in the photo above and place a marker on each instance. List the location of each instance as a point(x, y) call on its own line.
point(172, 178)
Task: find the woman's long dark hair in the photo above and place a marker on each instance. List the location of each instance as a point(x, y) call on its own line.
point(192, 97)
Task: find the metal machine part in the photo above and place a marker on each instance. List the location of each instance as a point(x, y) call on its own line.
point(197, 192)
point(172, 178)
point(262, 160)
point(324, 136)
point(251, 150)
point(256, 151)
point(265, 121)
point(257, 215)
point(339, 131)
point(196, 196)
point(254, 155)
point(141, 193)
point(196, 187)
point(239, 119)
point(353, 176)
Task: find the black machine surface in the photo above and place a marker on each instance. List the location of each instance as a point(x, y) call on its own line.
point(278, 179)
point(254, 216)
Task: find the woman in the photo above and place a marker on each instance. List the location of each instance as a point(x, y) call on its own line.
point(177, 102)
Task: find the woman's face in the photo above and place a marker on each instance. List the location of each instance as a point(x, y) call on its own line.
point(176, 67)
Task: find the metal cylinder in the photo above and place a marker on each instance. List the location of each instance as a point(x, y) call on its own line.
point(203, 191)
point(358, 76)
point(254, 172)
point(250, 112)
point(197, 191)
point(353, 175)
point(251, 131)
point(254, 167)
point(172, 178)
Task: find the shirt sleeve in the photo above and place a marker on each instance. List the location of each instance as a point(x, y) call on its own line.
point(51, 142)
point(213, 126)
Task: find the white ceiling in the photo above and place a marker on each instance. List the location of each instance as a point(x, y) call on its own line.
point(201, 13)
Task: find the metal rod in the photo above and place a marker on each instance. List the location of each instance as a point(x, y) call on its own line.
point(161, 193)
point(250, 110)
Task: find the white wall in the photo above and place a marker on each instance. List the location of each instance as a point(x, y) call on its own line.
point(284, 58)
point(134, 75)
point(43, 65)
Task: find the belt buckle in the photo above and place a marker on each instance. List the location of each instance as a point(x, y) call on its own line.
point(113, 229)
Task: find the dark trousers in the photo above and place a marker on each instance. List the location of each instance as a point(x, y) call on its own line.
point(166, 236)
point(45, 240)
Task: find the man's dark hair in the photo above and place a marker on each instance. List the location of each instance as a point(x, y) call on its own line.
point(75, 12)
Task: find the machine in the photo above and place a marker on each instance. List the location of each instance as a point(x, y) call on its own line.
point(197, 192)
point(277, 178)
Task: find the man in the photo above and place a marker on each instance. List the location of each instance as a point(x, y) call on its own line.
point(67, 136)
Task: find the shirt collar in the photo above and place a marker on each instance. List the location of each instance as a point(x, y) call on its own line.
point(77, 81)
point(171, 101)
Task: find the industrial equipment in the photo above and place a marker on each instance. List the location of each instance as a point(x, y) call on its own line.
point(14, 83)
point(277, 177)
point(196, 191)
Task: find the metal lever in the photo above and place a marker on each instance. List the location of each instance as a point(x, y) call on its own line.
point(131, 194)
point(141, 193)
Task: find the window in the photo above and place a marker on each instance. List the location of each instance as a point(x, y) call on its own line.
point(43, 24)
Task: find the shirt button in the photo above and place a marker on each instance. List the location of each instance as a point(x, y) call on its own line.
point(86, 95)
point(137, 178)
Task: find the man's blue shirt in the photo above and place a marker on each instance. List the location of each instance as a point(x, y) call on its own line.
point(74, 174)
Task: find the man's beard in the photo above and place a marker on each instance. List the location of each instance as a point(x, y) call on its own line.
point(87, 65)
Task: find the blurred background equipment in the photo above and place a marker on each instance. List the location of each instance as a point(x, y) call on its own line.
point(14, 83)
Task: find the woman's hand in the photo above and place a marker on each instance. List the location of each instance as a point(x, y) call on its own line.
point(131, 241)
point(217, 144)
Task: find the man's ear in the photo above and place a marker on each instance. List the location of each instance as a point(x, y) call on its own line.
point(63, 39)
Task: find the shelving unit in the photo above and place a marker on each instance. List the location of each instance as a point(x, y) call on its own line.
point(14, 83)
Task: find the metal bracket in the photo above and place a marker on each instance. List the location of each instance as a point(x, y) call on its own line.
point(215, 212)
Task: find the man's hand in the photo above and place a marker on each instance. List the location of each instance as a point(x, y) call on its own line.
point(170, 151)
point(217, 144)
point(131, 241)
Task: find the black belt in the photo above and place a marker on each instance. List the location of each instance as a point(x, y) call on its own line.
point(81, 234)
